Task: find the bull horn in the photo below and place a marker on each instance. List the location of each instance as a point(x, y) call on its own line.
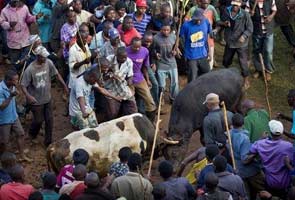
point(167, 141)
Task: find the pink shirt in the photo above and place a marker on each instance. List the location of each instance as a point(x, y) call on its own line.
point(19, 36)
point(65, 175)
point(15, 191)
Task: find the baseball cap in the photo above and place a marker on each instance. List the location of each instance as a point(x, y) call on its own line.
point(198, 14)
point(41, 51)
point(211, 98)
point(276, 127)
point(141, 3)
point(236, 2)
point(113, 33)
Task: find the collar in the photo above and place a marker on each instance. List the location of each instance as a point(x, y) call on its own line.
point(251, 111)
point(133, 174)
point(235, 17)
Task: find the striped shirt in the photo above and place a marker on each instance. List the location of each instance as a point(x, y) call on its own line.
point(142, 25)
point(260, 6)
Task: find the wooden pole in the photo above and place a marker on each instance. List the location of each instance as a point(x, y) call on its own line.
point(265, 84)
point(24, 66)
point(228, 134)
point(155, 135)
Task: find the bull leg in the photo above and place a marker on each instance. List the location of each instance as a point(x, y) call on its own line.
point(202, 136)
point(237, 105)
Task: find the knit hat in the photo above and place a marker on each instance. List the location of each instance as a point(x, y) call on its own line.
point(80, 156)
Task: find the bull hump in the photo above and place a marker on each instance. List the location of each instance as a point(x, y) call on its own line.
point(121, 125)
point(92, 135)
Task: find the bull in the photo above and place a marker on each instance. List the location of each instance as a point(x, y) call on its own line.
point(188, 112)
point(104, 142)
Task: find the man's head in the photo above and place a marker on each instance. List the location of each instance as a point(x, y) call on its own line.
point(276, 128)
point(147, 39)
point(77, 6)
point(205, 4)
point(236, 5)
point(198, 16)
point(141, 6)
point(92, 180)
point(114, 36)
point(121, 55)
point(49, 180)
point(136, 44)
point(110, 13)
point(8, 160)
point(14, 3)
point(166, 29)
point(211, 181)
point(165, 10)
point(91, 75)
point(42, 54)
point(211, 101)
point(79, 172)
point(37, 195)
point(62, 2)
point(127, 23)
point(165, 169)
point(124, 154)
point(71, 17)
point(17, 173)
point(134, 162)
point(104, 64)
point(35, 40)
point(238, 120)
point(80, 156)
point(107, 25)
point(291, 98)
point(219, 163)
point(121, 8)
point(11, 78)
point(84, 32)
point(247, 105)
point(211, 151)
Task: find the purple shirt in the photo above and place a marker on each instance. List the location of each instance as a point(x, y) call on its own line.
point(67, 33)
point(140, 59)
point(272, 154)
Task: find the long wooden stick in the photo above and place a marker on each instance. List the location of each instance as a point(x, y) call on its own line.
point(228, 134)
point(265, 84)
point(24, 66)
point(156, 135)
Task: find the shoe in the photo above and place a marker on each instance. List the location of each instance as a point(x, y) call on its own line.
point(268, 76)
point(256, 75)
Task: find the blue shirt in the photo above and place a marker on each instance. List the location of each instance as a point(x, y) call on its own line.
point(293, 125)
point(241, 147)
point(142, 25)
point(195, 39)
point(9, 114)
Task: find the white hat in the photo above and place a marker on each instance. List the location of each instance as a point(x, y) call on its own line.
point(211, 98)
point(276, 127)
point(41, 51)
point(34, 38)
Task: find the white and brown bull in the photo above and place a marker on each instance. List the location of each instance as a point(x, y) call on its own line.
point(104, 142)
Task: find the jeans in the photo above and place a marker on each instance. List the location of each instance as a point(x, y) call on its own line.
point(197, 68)
point(242, 56)
point(115, 109)
point(3, 39)
point(42, 113)
point(264, 45)
point(173, 76)
point(288, 32)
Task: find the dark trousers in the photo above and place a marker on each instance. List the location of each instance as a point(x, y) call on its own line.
point(115, 109)
point(242, 56)
point(288, 32)
point(42, 113)
point(16, 54)
point(255, 184)
point(3, 38)
point(197, 68)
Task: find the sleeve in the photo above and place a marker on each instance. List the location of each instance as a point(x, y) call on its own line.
point(189, 188)
point(2, 96)
point(115, 189)
point(27, 77)
point(29, 17)
point(79, 89)
point(130, 66)
point(72, 58)
point(4, 21)
point(52, 69)
point(208, 130)
point(254, 148)
point(37, 10)
point(209, 27)
point(201, 179)
point(216, 15)
point(245, 148)
point(248, 26)
point(183, 30)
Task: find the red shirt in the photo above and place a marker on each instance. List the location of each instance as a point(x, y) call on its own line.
point(79, 189)
point(15, 191)
point(127, 36)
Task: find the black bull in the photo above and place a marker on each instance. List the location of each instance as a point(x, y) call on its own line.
point(188, 111)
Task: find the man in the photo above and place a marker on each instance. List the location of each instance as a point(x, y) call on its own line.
point(212, 191)
point(229, 182)
point(9, 121)
point(127, 30)
point(36, 85)
point(111, 46)
point(94, 191)
point(8, 160)
point(256, 120)
point(121, 168)
point(117, 76)
point(101, 37)
point(48, 189)
point(238, 29)
point(140, 19)
point(164, 16)
point(195, 34)
point(166, 65)
point(15, 19)
point(16, 189)
point(76, 187)
point(251, 173)
point(275, 155)
point(176, 188)
point(83, 16)
point(133, 186)
point(262, 13)
point(140, 57)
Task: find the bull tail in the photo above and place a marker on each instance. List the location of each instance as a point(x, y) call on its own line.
point(49, 157)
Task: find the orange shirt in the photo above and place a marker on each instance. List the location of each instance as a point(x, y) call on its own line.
point(12, 191)
point(127, 36)
point(210, 16)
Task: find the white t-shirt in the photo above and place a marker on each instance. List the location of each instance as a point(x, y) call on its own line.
point(80, 88)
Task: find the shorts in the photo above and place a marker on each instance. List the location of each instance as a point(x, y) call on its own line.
point(81, 123)
point(15, 129)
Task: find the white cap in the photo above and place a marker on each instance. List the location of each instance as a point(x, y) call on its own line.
point(276, 127)
point(211, 98)
point(34, 38)
point(41, 51)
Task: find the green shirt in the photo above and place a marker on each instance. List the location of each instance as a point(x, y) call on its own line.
point(256, 122)
point(210, 7)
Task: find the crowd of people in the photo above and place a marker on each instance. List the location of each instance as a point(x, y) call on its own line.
point(113, 58)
